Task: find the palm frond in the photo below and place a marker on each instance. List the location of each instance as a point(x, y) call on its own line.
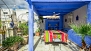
point(82, 30)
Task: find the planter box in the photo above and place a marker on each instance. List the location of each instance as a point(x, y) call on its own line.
point(14, 47)
point(25, 40)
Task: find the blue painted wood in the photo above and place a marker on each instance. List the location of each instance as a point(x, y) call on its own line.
point(30, 3)
point(61, 22)
point(58, 0)
point(89, 13)
point(77, 39)
point(30, 24)
point(46, 24)
point(52, 23)
point(47, 8)
point(74, 37)
point(88, 40)
point(34, 9)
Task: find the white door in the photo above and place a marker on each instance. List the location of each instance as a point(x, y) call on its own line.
point(0, 40)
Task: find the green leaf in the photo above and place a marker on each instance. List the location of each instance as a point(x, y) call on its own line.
point(82, 30)
point(10, 41)
point(24, 27)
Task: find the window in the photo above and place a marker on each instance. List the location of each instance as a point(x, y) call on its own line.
point(77, 17)
point(65, 20)
point(5, 12)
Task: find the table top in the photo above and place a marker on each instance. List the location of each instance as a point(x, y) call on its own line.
point(54, 31)
point(56, 40)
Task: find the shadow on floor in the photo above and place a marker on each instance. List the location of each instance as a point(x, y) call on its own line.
point(73, 47)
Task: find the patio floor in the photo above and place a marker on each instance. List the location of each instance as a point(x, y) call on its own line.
point(49, 47)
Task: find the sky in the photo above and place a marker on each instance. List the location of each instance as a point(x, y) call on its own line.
point(14, 4)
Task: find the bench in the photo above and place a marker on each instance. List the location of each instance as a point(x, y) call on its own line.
point(77, 39)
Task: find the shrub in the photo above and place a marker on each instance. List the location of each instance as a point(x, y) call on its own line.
point(82, 30)
point(10, 41)
point(24, 28)
point(38, 30)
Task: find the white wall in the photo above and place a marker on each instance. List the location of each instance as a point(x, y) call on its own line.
point(65, 23)
point(6, 17)
point(21, 14)
point(81, 12)
point(35, 23)
point(9, 11)
point(42, 25)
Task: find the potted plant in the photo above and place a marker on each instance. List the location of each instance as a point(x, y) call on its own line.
point(37, 33)
point(24, 30)
point(12, 42)
point(82, 30)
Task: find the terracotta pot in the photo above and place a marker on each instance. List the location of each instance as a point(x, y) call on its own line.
point(37, 34)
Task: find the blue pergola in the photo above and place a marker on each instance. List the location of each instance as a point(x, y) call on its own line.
point(47, 7)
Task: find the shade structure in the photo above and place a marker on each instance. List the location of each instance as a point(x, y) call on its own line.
point(47, 8)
